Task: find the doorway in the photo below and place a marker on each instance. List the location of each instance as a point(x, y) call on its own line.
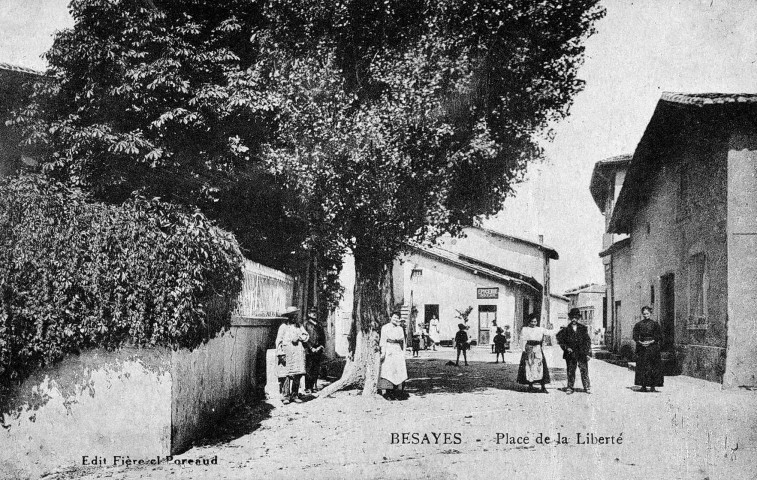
point(667, 311)
point(487, 316)
point(429, 312)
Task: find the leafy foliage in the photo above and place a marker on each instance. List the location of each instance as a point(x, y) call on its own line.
point(403, 120)
point(165, 97)
point(76, 274)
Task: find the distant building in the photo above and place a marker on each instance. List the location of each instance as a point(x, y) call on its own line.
point(558, 310)
point(606, 183)
point(505, 279)
point(688, 205)
point(13, 93)
point(591, 301)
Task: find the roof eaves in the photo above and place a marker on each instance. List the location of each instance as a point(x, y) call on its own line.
point(18, 69)
point(476, 269)
point(551, 251)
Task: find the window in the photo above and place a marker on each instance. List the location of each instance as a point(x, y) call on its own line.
point(698, 286)
point(486, 315)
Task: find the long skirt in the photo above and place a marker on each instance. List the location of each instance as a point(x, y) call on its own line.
point(648, 366)
point(533, 366)
point(393, 368)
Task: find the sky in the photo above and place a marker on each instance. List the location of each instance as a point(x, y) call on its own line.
point(642, 48)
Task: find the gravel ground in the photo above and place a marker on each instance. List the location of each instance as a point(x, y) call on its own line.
point(691, 429)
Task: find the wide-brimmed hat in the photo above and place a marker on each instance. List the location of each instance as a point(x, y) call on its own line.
point(574, 313)
point(290, 311)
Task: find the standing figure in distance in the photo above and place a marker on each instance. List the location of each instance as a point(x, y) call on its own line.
point(499, 344)
point(461, 344)
point(576, 345)
point(508, 337)
point(393, 371)
point(314, 354)
point(648, 335)
point(290, 350)
point(416, 343)
point(433, 332)
point(533, 366)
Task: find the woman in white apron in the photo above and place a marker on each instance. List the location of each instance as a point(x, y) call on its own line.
point(393, 369)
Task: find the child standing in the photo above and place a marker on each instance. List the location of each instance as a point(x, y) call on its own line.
point(461, 342)
point(416, 343)
point(499, 345)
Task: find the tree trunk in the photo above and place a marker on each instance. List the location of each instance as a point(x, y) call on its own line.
point(370, 311)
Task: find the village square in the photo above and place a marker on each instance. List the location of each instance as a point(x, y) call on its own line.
point(378, 239)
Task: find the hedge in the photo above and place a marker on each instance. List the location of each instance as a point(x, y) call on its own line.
point(77, 274)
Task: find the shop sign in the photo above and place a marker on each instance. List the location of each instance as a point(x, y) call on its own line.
point(488, 293)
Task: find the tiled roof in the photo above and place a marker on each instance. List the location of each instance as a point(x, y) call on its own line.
point(598, 183)
point(591, 288)
point(550, 251)
point(15, 68)
point(456, 260)
point(675, 112)
point(703, 99)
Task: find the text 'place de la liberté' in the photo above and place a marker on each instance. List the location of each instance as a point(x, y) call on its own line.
point(506, 438)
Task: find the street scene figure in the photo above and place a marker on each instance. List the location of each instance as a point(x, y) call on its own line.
point(290, 351)
point(393, 368)
point(647, 334)
point(462, 344)
point(533, 366)
point(499, 344)
point(433, 332)
point(576, 345)
point(314, 355)
point(416, 343)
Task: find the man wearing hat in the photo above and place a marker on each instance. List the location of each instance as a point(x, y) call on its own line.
point(290, 352)
point(314, 352)
point(576, 344)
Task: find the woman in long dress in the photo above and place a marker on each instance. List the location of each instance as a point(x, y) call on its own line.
point(433, 331)
point(648, 335)
point(290, 351)
point(393, 369)
point(533, 366)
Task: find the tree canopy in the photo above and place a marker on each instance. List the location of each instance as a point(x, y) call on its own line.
point(402, 120)
point(337, 125)
point(163, 97)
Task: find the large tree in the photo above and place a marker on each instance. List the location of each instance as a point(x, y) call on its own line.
point(402, 120)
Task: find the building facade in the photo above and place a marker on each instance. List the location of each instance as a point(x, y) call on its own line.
point(687, 205)
point(503, 279)
point(591, 301)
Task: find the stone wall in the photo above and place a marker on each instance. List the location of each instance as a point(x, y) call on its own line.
point(663, 239)
point(95, 405)
point(141, 403)
point(741, 364)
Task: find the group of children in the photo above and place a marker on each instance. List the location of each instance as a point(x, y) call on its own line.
point(501, 343)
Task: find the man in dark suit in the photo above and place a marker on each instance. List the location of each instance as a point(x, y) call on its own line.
point(314, 351)
point(576, 344)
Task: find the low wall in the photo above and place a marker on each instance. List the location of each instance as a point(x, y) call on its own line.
point(211, 378)
point(141, 403)
point(96, 405)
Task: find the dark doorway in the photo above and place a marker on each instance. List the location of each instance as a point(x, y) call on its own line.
point(487, 317)
point(429, 312)
point(667, 311)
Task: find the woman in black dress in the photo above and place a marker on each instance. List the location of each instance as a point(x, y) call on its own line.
point(648, 335)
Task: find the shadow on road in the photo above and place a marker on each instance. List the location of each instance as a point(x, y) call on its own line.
point(242, 419)
point(433, 376)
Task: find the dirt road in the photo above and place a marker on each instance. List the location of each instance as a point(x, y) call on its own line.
point(475, 422)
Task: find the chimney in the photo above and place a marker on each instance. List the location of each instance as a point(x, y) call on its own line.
point(541, 239)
